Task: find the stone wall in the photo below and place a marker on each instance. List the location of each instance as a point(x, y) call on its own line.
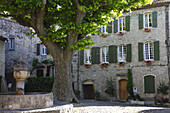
point(98, 74)
point(25, 46)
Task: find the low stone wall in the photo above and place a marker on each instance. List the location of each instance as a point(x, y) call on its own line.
point(31, 101)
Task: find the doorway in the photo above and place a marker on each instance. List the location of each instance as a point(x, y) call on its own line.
point(123, 94)
point(88, 91)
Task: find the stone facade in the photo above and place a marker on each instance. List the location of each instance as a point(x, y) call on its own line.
point(21, 45)
point(2, 65)
point(159, 69)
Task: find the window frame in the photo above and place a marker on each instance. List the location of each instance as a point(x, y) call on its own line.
point(147, 13)
point(123, 25)
point(11, 44)
point(88, 51)
point(106, 55)
point(122, 50)
point(149, 52)
point(43, 50)
point(104, 27)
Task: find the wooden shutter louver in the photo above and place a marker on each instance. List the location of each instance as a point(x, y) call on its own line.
point(140, 21)
point(110, 27)
point(82, 57)
point(154, 19)
point(127, 21)
point(129, 53)
point(156, 50)
point(38, 49)
point(111, 54)
point(140, 51)
point(115, 26)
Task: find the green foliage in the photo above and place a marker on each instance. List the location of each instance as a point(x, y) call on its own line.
point(109, 87)
point(130, 83)
point(46, 61)
point(60, 17)
point(163, 88)
point(137, 96)
point(34, 64)
point(97, 95)
point(39, 84)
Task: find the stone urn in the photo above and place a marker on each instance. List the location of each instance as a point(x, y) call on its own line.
point(20, 74)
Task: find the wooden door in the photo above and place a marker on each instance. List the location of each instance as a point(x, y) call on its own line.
point(88, 91)
point(123, 94)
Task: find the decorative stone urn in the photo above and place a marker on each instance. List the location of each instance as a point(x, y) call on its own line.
point(20, 74)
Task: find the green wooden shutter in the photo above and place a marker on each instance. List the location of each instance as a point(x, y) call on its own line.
point(154, 19)
point(127, 23)
point(140, 21)
point(129, 53)
point(114, 54)
point(111, 54)
point(140, 51)
point(156, 50)
point(110, 27)
point(81, 57)
point(93, 55)
point(149, 83)
point(115, 26)
point(97, 55)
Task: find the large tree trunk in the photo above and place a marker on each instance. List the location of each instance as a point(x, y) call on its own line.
point(62, 87)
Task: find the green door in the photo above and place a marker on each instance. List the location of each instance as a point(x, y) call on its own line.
point(149, 82)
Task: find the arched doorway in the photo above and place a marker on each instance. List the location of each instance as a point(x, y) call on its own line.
point(123, 94)
point(88, 90)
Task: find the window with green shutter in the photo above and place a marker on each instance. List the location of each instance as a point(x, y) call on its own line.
point(127, 23)
point(112, 54)
point(154, 19)
point(140, 21)
point(156, 50)
point(129, 53)
point(82, 57)
point(149, 84)
point(95, 52)
point(140, 51)
point(115, 26)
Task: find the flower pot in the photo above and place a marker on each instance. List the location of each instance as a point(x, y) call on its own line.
point(148, 62)
point(121, 33)
point(87, 66)
point(147, 30)
point(121, 63)
point(103, 35)
point(104, 64)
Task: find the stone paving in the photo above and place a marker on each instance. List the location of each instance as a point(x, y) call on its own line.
point(91, 106)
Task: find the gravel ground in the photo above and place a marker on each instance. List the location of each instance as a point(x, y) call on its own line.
point(91, 106)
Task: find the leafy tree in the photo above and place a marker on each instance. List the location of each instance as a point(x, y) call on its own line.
point(130, 84)
point(61, 26)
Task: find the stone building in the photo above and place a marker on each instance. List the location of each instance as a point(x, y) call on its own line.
point(30, 48)
point(137, 40)
point(3, 85)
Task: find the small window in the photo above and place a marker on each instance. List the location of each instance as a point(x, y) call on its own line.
point(12, 44)
point(148, 20)
point(104, 55)
point(104, 29)
point(87, 56)
point(121, 24)
point(43, 50)
point(122, 53)
point(40, 73)
point(148, 51)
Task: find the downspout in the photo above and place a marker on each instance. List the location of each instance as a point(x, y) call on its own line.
point(167, 42)
point(78, 72)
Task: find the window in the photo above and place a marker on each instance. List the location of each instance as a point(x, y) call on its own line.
point(149, 84)
point(104, 29)
point(43, 50)
point(87, 56)
point(121, 24)
point(148, 51)
point(104, 55)
point(11, 43)
point(122, 53)
point(148, 20)
point(52, 71)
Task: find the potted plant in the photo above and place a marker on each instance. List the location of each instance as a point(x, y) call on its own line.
point(103, 35)
point(147, 30)
point(87, 65)
point(104, 64)
point(121, 63)
point(121, 33)
point(87, 37)
point(148, 62)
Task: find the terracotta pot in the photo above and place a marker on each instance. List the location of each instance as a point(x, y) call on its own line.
point(121, 33)
point(147, 30)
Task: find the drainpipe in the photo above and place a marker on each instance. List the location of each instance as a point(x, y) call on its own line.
point(78, 74)
point(167, 42)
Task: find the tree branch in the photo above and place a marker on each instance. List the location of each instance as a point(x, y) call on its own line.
point(77, 3)
point(21, 21)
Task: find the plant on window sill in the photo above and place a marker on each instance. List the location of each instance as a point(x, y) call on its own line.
point(87, 65)
point(104, 64)
point(148, 62)
point(121, 33)
point(147, 30)
point(121, 63)
point(103, 35)
point(87, 37)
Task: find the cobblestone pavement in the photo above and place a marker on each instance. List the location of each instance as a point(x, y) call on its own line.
point(91, 106)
